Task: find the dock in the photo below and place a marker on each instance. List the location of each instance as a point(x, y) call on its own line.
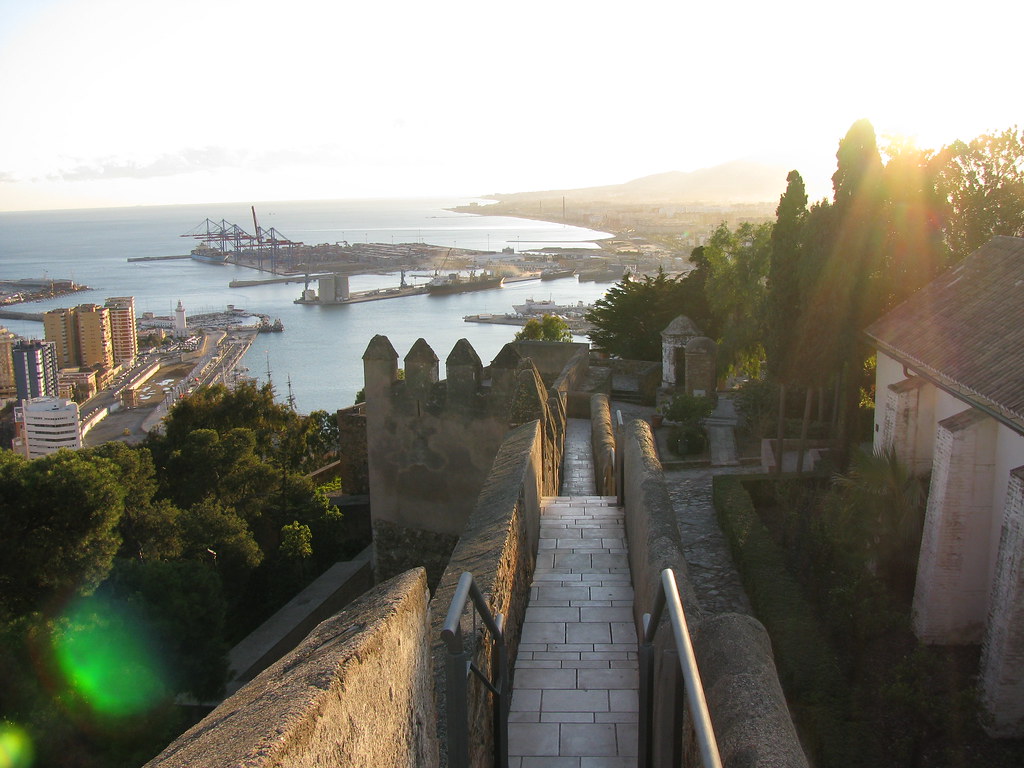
point(158, 258)
point(360, 297)
point(10, 314)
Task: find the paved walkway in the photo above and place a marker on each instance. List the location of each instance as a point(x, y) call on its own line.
point(574, 699)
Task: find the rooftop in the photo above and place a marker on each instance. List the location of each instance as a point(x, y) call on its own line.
point(965, 330)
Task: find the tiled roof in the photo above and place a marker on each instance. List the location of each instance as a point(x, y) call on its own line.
point(965, 329)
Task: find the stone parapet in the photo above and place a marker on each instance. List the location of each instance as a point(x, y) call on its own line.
point(499, 547)
point(357, 691)
point(602, 440)
point(741, 684)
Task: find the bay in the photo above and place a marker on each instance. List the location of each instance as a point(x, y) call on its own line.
point(320, 351)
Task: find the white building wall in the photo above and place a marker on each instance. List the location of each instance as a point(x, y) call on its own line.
point(1001, 675)
point(953, 574)
point(47, 424)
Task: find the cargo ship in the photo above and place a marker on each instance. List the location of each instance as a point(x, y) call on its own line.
point(443, 285)
point(556, 274)
point(208, 255)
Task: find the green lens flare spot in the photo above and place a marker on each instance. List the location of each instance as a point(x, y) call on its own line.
point(104, 653)
point(15, 747)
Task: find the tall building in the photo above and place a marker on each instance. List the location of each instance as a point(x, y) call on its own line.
point(59, 326)
point(35, 368)
point(123, 333)
point(8, 389)
point(44, 425)
point(95, 342)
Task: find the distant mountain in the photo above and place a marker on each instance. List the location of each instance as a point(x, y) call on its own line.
point(734, 182)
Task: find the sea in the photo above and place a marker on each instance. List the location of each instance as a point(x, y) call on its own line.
point(317, 360)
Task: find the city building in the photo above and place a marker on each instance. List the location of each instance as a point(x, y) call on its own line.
point(123, 333)
point(8, 388)
point(78, 384)
point(35, 369)
point(59, 326)
point(95, 340)
point(44, 425)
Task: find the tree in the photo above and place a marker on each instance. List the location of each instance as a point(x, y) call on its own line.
point(629, 318)
point(58, 526)
point(548, 328)
point(983, 183)
point(784, 300)
point(735, 288)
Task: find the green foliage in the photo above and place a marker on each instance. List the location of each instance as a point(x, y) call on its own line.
point(548, 328)
point(983, 183)
point(58, 528)
point(757, 401)
point(296, 541)
point(809, 668)
point(736, 293)
point(783, 300)
point(183, 603)
point(629, 318)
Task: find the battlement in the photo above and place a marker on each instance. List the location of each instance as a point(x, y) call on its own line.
point(431, 441)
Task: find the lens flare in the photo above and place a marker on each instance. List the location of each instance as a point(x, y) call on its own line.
point(105, 655)
point(15, 747)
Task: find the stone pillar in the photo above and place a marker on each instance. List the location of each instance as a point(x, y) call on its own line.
point(1002, 654)
point(421, 366)
point(503, 369)
point(952, 591)
point(380, 366)
point(701, 367)
point(909, 411)
point(464, 371)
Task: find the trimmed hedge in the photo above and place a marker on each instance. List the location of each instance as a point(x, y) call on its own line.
point(809, 668)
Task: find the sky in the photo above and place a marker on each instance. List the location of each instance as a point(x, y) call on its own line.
point(121, 102)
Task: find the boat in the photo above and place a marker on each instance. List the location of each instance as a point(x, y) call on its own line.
point(542, 307)
point(208, 255)
point(443, 285)
point(533, 307)
point(554, 273)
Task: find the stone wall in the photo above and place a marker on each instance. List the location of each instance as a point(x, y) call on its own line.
point(602, 439)
point(431, 442)
point(357, 691)
point(499, 547)
point(744, 696)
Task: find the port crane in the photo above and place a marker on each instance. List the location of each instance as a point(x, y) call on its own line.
point(230, 240)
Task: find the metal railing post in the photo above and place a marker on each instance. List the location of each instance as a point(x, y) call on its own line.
point(667, 597)
point(460, 664)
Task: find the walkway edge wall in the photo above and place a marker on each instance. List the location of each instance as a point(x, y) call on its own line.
point(745, 699)
point(357, 691)
point(602, 440)
point(499, 547)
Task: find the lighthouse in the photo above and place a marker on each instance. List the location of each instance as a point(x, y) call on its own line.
point(180, 327)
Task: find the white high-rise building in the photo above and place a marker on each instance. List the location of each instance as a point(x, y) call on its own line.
point(43, 425)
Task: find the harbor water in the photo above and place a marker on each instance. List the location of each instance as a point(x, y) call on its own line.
point(320, 351)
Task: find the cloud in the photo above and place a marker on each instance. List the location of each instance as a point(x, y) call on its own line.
point(7, 178)
point(195, 160)
point(185, 161)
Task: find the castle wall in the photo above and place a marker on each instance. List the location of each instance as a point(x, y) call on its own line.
point(745, 699)
point(499, 547)
point(431, 442)
point(357, 691)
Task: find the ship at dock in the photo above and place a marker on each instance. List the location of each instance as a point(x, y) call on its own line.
point(209, 255)
point(442, 285)
point(554, 273)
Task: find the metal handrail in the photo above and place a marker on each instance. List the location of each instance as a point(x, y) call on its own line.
point(459, 664)
point(668, 596)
